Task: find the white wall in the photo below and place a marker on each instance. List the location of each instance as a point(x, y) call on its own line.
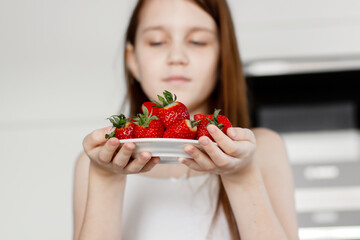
point(59, 82)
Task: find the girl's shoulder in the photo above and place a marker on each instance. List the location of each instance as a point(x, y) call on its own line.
point(270, 147)
point(266, 134)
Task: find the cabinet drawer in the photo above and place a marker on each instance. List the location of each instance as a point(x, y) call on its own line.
point(327, 175)
point(329, 218)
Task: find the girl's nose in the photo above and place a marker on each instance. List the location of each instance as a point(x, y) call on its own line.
point(177, 56)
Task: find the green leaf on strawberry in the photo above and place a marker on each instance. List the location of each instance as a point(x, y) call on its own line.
point(215, 120)
point(145, 119)
point(111, 135)
point(166, 100)
point(124, 127)
point(170, 110)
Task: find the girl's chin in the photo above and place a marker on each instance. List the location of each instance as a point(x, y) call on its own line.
point(175, 87)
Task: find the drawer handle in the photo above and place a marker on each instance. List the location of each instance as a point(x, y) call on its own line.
point(325, 217)
point(321, 172)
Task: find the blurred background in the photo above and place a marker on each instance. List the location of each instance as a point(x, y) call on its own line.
point(61, 76)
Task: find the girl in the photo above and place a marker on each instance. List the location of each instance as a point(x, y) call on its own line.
point(240, 188)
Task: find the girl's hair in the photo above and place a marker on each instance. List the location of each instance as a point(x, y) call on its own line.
point(230, 93)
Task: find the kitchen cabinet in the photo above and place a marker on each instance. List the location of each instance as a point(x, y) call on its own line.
point(317, 116)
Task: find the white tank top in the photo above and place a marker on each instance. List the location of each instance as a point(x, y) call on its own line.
point(173, 208)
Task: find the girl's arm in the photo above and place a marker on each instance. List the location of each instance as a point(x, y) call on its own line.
point(98, 202)
point(262, 194)
point(100, 178)
point(256, 174)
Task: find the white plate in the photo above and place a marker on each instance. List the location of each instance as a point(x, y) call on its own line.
point(168, 149)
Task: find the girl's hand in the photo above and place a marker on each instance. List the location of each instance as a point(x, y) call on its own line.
point(110, 158)
point(232, 154)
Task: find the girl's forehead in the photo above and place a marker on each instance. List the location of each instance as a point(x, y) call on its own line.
point(174, 14)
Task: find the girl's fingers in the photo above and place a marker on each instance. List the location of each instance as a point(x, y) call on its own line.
point(241, 134)
point(191, 163)
point(201, 159)
point(95, 138)
point(136, 165)
point(223, 141)
point(122, 158)
point(150, 164)
point(244, 140)
point(239, 143)
point(106, 152)
point(219, 158)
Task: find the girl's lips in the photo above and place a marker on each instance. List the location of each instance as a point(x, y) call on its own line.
point(177, 79)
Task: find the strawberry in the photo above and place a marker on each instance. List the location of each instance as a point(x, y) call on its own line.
point(170, 110)
point(202, 131)
point(199, 116)
point(220, 121)
point(124, 127)
point(150, 107)
point(148, 125)
point(182, 129)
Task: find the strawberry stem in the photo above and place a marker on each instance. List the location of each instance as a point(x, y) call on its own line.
point(215, 120)
point(145, 119)
point(118, 121)
point(194, 123)
point(166, 100)
point(111, 135)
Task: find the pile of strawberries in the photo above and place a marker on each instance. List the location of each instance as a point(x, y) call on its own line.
point(167, 119)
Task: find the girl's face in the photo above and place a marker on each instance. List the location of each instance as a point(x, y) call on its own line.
point(176, 49)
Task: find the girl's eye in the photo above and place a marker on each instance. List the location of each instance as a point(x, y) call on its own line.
point(198, 43)
point(156, 43)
